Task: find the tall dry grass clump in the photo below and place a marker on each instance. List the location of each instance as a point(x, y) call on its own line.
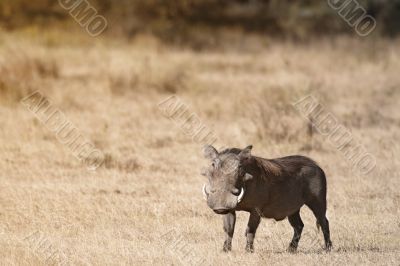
point(22, 73)
point(148, 72)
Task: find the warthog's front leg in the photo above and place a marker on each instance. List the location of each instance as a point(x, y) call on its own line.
point(229, 228)
point(254, 221)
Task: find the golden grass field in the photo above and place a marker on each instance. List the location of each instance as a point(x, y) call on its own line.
point(144, 204)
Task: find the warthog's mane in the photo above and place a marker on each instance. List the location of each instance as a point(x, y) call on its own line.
point(268, 167)
point(231, 150)
point(275, 170)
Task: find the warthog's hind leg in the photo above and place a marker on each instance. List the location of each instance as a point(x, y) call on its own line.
point(325, 229)
point(254, 221)
point(297, 224)
point(229, 228)
point(318, 207)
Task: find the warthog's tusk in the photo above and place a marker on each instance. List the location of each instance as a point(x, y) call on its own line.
point(240, 197)
point(204, 192)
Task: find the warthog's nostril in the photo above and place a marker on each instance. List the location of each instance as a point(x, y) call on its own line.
point(221, 210)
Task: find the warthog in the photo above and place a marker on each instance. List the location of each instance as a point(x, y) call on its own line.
point(270, 188)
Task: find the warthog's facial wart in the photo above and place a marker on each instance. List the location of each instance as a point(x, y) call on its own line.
point(225, 188)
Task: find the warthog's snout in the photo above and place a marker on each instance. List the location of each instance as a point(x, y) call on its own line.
point(222, 201)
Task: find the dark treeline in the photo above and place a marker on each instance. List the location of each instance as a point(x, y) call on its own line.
point(178, 17)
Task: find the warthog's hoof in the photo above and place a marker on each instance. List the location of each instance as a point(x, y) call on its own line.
point(249, 248)
point(292, 249)
point(328, 247)
point(227, 247)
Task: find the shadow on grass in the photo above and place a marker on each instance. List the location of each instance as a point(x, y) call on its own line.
point(344, 249)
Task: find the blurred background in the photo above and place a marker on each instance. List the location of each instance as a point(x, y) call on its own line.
point(186, 21)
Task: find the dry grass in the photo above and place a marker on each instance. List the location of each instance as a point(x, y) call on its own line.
point(150, 182)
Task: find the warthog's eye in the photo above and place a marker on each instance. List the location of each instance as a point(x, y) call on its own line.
point(215, 164)
point(240, 171)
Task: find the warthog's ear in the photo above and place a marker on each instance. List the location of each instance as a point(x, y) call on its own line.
point(245, 153)
point(210, 152)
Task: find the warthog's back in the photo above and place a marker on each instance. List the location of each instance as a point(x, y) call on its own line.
point(287, 184)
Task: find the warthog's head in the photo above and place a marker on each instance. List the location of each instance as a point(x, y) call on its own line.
point(226, 177)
